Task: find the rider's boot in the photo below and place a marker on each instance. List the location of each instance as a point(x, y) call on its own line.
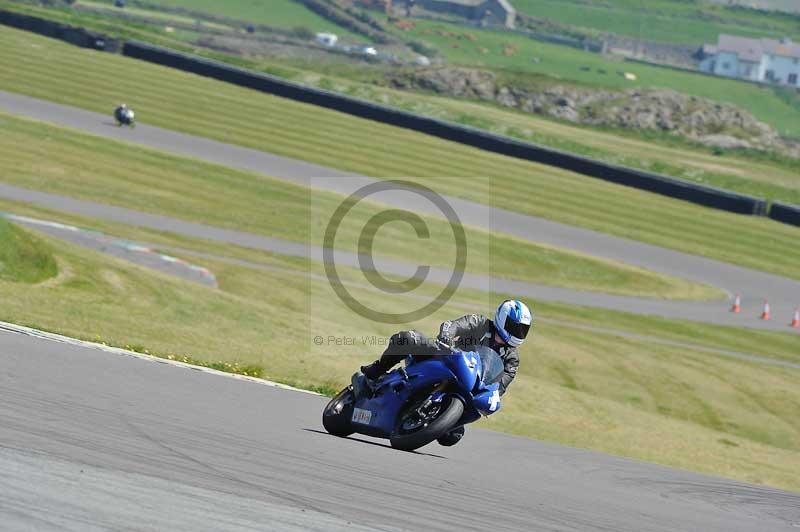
point(451, 438)
point(362, 386)
point(365, 381)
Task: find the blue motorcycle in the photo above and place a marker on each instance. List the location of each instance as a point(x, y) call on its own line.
point(420, 403)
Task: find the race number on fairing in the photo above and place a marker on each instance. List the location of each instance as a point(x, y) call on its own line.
point(361, 416)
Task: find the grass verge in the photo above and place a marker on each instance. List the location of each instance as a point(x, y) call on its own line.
point(634, 398)
point(695, 335)
point(753, 172)
point(24, 258)
point(39, 156)
point(56, 71)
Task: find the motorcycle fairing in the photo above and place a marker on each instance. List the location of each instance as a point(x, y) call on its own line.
point(488, 401)
point(466, 366)
point(394, 390)
point(420, 377)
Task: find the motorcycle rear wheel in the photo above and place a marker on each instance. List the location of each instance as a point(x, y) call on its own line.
point(406, 439)
point(338, 413)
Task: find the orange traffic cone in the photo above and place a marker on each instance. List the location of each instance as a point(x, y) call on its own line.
point(765, 313)
point(737, 304)
point(796, 320)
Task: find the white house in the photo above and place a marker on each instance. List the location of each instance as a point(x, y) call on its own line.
point(764, 60)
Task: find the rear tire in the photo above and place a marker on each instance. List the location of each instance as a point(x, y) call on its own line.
point(451, 437)
point(338, 413)
point(447, 417)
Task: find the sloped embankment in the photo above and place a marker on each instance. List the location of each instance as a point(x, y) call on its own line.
point(23, 257)
point(699, 119)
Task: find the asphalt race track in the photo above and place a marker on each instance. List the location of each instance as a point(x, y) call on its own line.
point(783, 294)
point(91, 440)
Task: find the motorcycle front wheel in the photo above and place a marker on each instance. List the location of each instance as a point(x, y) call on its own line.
point(418, 426)
point(338, 413)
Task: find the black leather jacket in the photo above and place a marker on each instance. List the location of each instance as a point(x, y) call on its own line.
point(474, 329)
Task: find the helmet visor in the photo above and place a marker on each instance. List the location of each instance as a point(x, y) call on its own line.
point(515, 329)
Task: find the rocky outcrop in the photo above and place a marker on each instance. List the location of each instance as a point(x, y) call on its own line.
point(706, 121)
point(459, 82)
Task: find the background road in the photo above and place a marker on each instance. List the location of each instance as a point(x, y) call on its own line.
point(783, 294)
point(91, 440)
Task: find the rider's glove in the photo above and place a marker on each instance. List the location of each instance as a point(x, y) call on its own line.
point(445, 339)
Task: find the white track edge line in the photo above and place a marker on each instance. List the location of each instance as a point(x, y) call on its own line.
point(28, 331)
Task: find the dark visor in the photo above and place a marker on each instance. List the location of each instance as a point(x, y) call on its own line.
point(517, 330)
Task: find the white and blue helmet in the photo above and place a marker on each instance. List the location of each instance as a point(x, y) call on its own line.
point(513, 321)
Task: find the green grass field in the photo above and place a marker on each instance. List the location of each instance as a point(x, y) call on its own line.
point(694, 335)
point(516, 53)
point(678, 21)
point(784, 6)
point(158, 15)
point(36, 155)
point(278, 13)
point(166, 98)
point(750, 173)
point(485, 48)
point(286, 14)
point(636, 398)
point(753, 173)
point(179, 101)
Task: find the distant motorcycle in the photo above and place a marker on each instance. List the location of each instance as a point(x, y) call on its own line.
point(418, 404)
point(125, 116)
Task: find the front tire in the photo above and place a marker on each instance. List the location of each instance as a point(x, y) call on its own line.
point(338, 413)
point(413, 432)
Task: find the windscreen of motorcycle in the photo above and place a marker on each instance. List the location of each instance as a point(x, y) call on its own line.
point(491, 365)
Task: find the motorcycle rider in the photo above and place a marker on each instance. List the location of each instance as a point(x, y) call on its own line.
point(122, 112)
point(504, 334)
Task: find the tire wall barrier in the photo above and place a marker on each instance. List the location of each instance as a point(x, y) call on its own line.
point(56, 30)
point(668, 186)
point(788, 214)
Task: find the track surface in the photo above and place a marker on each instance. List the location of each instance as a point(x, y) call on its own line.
point(91, 440)
point(754, 286)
